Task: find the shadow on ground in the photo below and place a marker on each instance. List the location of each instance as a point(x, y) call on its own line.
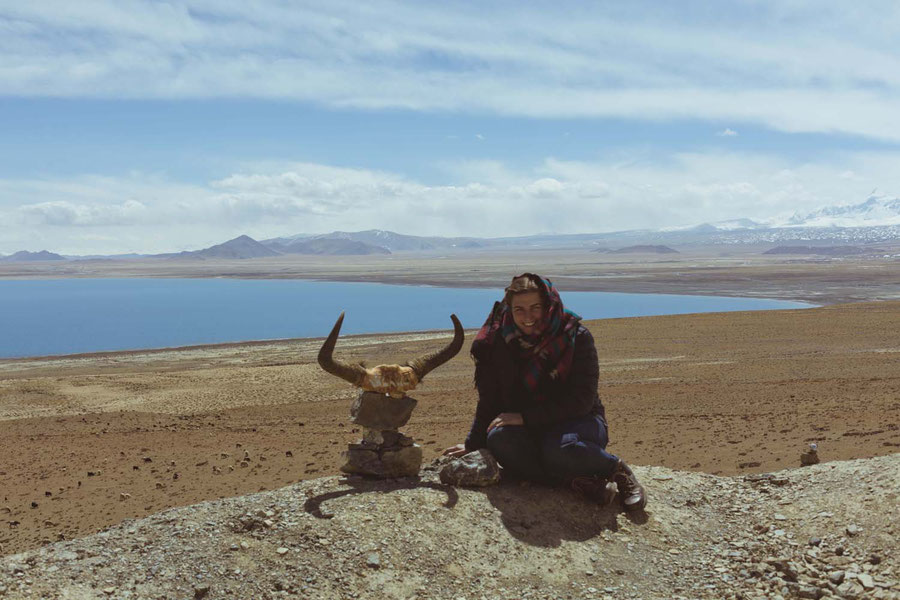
point(537, 515)
point(359, 485)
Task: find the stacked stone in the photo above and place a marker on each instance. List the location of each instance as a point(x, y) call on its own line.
point(383, 451)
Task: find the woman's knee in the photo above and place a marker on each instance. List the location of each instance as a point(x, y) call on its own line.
point(563, 458)
point(507, 441)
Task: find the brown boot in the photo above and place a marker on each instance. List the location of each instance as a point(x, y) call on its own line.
point(631, 492)
point(597, 489)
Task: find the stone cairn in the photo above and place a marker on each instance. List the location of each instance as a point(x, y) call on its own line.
point(383, 451)
point(810, 456)
point(383, 407)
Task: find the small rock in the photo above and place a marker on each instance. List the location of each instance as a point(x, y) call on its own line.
point(875, 559)
point(866, 580)
point(477, 469)
point(810, 457)
point(200, 591)
point(245, 546)
point(780, 517)
point(839, 550)
point(109, 591)
point(808, 591)
point(373, 561)
point(282, 551)
point(815, 541)
point(853, 529)
point(836, 577)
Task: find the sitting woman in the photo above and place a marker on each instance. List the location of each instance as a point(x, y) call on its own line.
point(538, 410)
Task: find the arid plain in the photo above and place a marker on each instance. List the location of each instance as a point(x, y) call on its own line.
point(88, 441)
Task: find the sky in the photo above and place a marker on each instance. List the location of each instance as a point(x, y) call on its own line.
point(151, 126)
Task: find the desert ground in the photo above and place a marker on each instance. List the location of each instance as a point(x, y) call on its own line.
point(89, 441)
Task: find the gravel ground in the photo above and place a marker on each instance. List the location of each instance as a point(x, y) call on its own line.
point(825, 531)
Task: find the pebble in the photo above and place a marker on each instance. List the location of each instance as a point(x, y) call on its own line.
point(852, 529)
point(866, 580)
point(373, 561)
point(282, 551)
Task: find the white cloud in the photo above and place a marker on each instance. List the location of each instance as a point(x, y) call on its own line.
point(62, 213)
point(727, 133)
point(798, 66)
point(149, 214)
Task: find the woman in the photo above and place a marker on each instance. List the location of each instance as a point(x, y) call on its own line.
point(538, 410)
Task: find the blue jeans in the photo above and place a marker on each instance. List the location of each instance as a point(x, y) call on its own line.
point(553, 455)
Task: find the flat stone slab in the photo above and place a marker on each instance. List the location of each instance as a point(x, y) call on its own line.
point(379, 411)
point(388, 463)
point(475, 469)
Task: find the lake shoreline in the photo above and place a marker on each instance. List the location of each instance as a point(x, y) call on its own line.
point(395, 334)
point(98, 316)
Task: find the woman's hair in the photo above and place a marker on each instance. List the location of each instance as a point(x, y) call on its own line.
point(522, 284)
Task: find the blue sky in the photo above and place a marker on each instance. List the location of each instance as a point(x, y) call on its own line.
point(135, 126)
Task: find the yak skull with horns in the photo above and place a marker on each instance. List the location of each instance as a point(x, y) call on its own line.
point(394, 380)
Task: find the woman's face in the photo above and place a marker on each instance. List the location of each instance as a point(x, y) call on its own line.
point(528, 312)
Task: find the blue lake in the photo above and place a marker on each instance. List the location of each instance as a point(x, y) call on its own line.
point(66, 316)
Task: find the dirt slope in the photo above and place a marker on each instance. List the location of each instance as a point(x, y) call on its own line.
point(823, 531)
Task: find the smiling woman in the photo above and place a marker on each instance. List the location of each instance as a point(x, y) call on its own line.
point(538, 410)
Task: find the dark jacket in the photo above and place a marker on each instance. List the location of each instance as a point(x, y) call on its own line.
point(500, 389)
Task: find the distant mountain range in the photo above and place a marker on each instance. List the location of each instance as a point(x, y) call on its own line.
point(26, 256)
point(379, 238)
point(242, 246)
point(875, 220)
point(874, 211)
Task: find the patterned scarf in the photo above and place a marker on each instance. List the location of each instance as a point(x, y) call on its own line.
point(547, 354)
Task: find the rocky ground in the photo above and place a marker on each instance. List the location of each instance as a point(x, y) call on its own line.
point(826, 531)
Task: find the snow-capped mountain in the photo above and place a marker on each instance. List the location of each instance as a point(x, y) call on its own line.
point(874, 211)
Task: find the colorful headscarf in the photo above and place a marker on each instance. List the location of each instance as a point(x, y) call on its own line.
point(547, 354)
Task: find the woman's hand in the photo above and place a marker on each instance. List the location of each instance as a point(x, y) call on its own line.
point(456, 451)
point(504, 419)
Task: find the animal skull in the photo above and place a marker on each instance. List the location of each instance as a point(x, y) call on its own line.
point(394, 380)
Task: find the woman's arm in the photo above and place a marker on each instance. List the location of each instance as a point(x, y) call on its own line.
point(487, 383)
point(578, 397)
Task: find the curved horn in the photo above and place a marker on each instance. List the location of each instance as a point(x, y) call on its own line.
point(352, 373)
point(425, 364)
